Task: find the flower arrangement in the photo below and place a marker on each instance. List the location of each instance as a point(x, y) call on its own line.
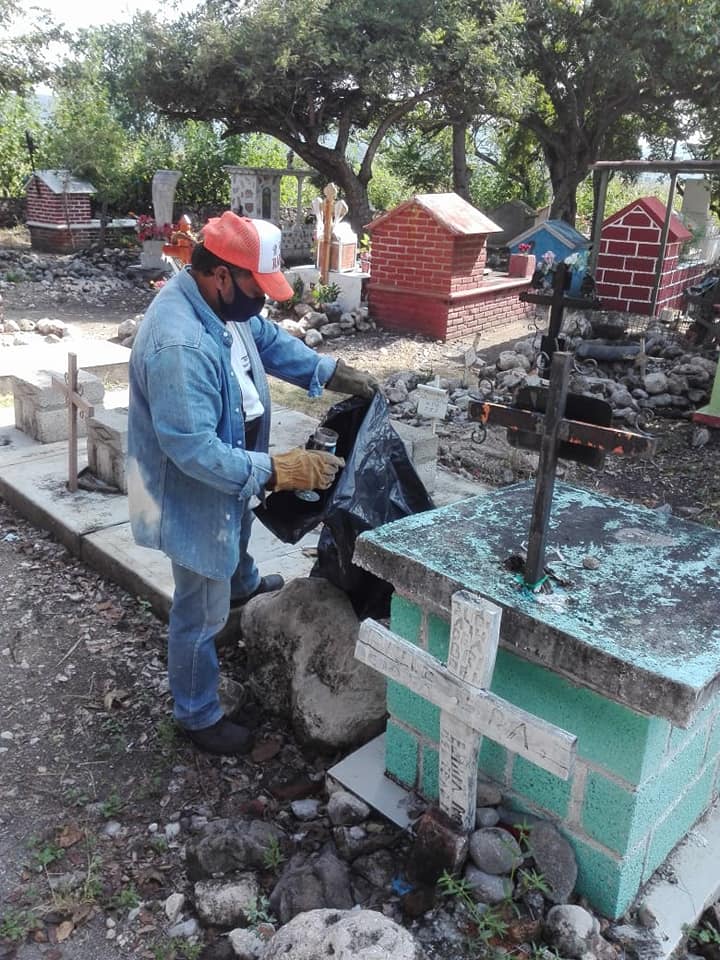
point(147, 229)
point(524, 247)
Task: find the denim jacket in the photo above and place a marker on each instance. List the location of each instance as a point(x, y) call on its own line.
point(189, 475)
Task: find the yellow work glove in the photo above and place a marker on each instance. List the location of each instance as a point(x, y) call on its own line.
point(304, 470)
point(358, 383)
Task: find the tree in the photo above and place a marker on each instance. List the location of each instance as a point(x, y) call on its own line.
point(84, 137)
point(18, 115)
point(26, 33)
point(311, 73)
point(585, 69)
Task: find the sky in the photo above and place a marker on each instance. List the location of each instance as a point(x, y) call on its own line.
point(85, 13)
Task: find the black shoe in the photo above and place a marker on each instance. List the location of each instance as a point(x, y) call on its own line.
point(224, 738)
point(268, 584)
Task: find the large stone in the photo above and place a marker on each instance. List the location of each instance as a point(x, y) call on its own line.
point(487, 887)
point(343, 935)
point(301, 641)
point(225, 846)
point(494, 850)
point(572, 931)
point(345, 809)
point(510, 360)
point(226, 904)
point(311, 883)
point(554, 859)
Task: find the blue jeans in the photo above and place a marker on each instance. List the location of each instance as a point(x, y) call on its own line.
point(199, 611)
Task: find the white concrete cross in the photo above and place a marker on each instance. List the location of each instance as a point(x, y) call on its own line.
point(75, 402)
point(468, 711)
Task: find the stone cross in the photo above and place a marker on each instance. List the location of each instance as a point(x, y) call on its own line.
point(468, 710)
point(75, 403)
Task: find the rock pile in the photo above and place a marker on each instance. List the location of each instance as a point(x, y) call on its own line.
point(317, 323)
point(89, 275)
point(329, 877)
point(670, 377)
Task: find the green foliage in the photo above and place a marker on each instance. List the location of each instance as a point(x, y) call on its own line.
point(175, 948)
point(298, 291)
point(590, 76)
point(273, 855)
point(112, 806)
point(44, 853)
point(15, 925)
point(487, 922)
point(258, 911)
point(84, 137)
point(17, 114)
point(26, 32)
point(315, 74)
point(704, 934)
point(126, 899)
point(532, 880)
point(325, 292)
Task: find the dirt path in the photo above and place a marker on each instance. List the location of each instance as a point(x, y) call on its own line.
point(97, 792)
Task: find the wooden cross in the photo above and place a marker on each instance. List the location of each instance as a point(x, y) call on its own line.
point(554, 429)
point(468, 711)
point(75, 403)
point(558, 301)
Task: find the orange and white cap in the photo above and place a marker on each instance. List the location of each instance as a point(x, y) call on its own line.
point(253, 245)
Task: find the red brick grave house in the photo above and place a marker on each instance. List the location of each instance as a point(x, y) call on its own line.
point(428, 270)
point(59, 213)
point(628, 259)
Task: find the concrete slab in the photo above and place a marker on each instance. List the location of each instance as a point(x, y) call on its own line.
point(687, 883)
point(640, 628)
point(105, 359)
point(36, 486)
point(363, 773)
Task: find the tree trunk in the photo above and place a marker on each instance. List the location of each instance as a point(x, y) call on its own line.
point(102, 235)
point(461, 176)
point(335, 168)
point(567, 170)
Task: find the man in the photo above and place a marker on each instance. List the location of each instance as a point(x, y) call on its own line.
point(199, 426)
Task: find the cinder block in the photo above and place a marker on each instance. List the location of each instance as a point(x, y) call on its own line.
point(405, 618)
point(40, 409)
point(546, 790)
point(625, 743)
point(609, 882)
point(430, 776)
point(107, 447)
point(402, 755)
point(670, 831)
point(413, 710)
point(438, 637)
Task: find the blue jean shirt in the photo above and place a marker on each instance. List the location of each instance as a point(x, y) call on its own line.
point(189, 475)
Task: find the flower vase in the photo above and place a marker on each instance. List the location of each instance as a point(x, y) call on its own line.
point(151, 257)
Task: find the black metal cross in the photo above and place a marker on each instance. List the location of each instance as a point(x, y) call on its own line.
point(557, 302)
point(558, 436)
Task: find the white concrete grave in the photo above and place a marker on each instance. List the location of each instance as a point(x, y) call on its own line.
point(468, 710)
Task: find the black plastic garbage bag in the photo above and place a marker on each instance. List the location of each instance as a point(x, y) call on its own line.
point(377, 485)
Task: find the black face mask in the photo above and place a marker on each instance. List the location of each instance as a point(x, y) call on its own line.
point(241, 307)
